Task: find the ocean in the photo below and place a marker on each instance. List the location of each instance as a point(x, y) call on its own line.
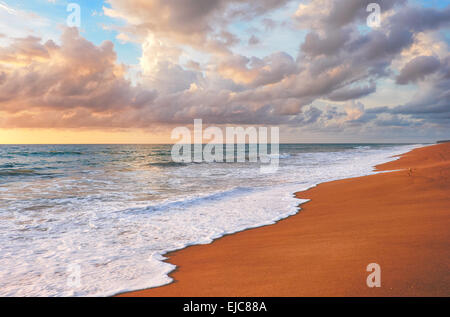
point(96, 220)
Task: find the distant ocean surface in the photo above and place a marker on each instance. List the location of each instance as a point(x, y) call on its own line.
point(114, 210)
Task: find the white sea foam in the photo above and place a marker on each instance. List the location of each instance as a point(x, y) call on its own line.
point(118, 237)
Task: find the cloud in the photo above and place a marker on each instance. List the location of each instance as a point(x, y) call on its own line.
point(258, 72)
point(329, 86)
point(199, 23)
point(253, 40)
point(62, 78)
point(314, 45)
point(352, 93)
point(12, 22)
point(419, 19)
point(331, 14)
point(418, 69)
point(170, 78)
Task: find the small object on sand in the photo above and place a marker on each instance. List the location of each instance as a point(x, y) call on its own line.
point(410, 171)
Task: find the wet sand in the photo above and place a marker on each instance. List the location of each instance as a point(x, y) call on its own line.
point(400, 220)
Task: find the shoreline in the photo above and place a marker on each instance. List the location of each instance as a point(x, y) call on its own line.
point(213, 267)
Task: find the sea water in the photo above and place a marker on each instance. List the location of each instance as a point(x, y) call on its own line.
point(109, 213)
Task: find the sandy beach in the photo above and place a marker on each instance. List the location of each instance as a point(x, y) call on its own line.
point(398, 219)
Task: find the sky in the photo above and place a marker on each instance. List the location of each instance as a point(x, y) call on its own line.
point(133, 70)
